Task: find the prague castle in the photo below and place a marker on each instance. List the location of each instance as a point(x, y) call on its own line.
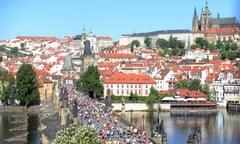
point(207, 22)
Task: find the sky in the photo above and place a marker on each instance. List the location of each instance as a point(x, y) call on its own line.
point(112, 18)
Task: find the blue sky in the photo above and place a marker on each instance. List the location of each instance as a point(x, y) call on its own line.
point(105, 17)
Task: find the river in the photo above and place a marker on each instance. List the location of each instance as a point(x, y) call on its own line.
point(33, 136)
point(219, 128)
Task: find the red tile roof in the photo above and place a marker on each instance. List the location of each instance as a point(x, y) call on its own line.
point(119, 55)
point(186, 93)
point(104, 38)
point(121, 78)
point(229, 30)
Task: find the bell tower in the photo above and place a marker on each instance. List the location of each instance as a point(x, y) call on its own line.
point(206, 17)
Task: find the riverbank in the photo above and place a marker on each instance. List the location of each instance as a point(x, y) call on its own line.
point(32, 109)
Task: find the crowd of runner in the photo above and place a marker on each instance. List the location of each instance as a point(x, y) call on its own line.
point(110, 129)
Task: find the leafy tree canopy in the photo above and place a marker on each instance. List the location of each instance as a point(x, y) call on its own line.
point(202, 42)
point(153, 96)
point(77, 135)
point(134, 43)
point(7, 85)
point(90, 82)
point(148, 42)
point(27, 85)
point(162, 43)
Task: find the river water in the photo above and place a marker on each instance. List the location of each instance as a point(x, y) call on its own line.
point(219, 128)
point(33, 125)
point(216, 128)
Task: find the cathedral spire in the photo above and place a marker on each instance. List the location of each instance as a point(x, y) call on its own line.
point(195, 12)
point(195, 21)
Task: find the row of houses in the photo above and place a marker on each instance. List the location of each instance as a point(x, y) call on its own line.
point(123, 72)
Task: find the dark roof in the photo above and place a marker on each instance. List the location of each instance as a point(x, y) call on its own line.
point(158, 32)
point(224, 21)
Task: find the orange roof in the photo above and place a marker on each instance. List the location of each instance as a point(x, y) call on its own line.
point(228, 30)
point(107, 64)
point(104, 38)
point(211, 76)
point(119, 55)
point(186, 93)
point(121, 78)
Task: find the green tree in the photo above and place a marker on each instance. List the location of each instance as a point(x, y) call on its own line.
point(148, 42)
point(195, 84)
point(180, 44)
point(220, 45)
point(211, 47)
point(234, 46)
point(205, 89)
point(133, 97)
point(172, 42)
point(202, 42)
point(7, 83)
point(162, 43)
point(134, 43)
point(195, 46)
point(27, 85)
point(90, 82)
point(153, 96)
point(77, 135)
point(182, 84)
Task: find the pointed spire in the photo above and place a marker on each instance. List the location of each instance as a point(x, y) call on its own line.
point(195, 12)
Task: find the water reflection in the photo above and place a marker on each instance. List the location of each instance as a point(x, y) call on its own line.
point(218, 128)
point(4, 127)
point(33, 124)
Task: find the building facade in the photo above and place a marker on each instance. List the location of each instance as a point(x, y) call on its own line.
point(120, 84)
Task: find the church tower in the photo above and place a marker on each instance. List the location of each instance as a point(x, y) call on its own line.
point(195, 26)
point(206, 17)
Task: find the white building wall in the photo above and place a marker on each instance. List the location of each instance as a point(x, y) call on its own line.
point(126, 89)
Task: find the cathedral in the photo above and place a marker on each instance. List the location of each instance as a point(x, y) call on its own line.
point(207, 22)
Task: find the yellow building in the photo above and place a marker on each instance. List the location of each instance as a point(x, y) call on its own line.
point(45, 88)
